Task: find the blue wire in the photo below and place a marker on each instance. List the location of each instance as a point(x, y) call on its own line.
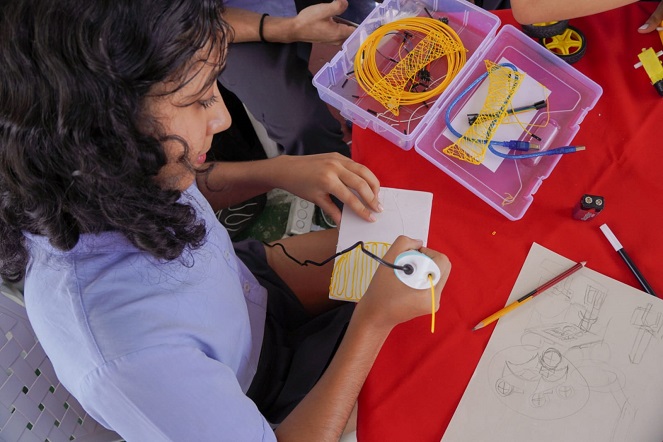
point(557, 151)
point(447, 120)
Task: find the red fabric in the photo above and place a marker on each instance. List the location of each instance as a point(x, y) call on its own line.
point(419, 377)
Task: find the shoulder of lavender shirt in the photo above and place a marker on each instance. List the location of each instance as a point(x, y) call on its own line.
point(277, 8)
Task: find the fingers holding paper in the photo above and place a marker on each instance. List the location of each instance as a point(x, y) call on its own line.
point(316, 177)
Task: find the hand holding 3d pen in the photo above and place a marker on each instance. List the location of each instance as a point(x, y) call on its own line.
point(386, 295)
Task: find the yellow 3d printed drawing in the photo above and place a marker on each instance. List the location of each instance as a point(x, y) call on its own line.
point(405, 212)
point(354, 270)
point(503, 84)
point(397, 87)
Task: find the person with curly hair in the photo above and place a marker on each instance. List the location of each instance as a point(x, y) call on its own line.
point(154, 320)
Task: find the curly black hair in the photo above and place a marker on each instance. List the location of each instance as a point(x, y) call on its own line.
point(76, 154)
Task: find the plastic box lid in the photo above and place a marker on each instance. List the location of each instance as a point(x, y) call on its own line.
point(338, 87)
point(509, 185)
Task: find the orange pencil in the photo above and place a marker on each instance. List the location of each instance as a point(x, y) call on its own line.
point(520, 301)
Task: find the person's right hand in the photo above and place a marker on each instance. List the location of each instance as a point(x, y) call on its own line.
point(654, 20)
point(388, 301)
point(315, 24)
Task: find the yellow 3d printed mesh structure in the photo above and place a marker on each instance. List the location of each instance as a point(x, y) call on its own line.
point(503, 82)
point(436, 40)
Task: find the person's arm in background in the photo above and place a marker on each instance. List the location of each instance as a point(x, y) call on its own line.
point(313, 25)
point(540, 11)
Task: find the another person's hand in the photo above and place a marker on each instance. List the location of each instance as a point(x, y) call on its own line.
point(654, 20)
point(388, 301)
point(316, 177)
point(315, 24)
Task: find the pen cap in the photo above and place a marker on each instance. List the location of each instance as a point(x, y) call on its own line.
point(611, 237)
point(422, 266)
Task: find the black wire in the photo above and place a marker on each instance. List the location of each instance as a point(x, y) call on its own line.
point(407, 268)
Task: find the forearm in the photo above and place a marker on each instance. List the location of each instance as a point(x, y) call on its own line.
point(312, 177)
point(539, 11)
point(323, 413)
point(313, 24)
point(229, 183)
point(246, 25)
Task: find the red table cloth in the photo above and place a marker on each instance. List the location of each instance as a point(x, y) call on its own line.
point(419, 377)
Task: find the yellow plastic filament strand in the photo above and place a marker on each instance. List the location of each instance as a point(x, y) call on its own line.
point(503, 82)
point(439, 40)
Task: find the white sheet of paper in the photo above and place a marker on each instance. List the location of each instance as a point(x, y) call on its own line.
point(580, 362)
point(406, 212)
point(529, 92)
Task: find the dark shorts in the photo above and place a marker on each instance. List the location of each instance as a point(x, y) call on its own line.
point(297, 347)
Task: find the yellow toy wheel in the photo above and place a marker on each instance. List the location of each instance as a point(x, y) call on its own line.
point(570, 45)
point(545, 30)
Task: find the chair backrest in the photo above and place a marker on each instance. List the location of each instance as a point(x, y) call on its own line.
point(34, 406)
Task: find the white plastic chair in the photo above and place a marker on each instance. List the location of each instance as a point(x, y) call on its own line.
point(34, 406)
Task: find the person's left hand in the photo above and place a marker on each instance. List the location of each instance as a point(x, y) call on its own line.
point(315, 24)
point(654, 20)
point(316, 177)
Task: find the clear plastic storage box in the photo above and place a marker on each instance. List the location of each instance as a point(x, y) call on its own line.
point(338, 87)
point(508, 185)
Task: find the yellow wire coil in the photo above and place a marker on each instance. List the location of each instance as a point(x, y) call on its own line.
point(437, 40)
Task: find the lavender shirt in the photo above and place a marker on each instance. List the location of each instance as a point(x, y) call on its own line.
point(157, 351)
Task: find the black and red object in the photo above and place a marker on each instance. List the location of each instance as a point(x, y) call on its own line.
point(588, 207)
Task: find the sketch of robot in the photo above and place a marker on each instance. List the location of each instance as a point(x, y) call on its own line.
point(580, 362)
point(563, 358)
point(545, 386)
point(648, 325)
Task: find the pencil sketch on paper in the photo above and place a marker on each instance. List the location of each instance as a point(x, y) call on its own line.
point(548, 370)
point(580, 362)
point(546, 386)
point(563, 358)
point(405, 212)
point(648, 324)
